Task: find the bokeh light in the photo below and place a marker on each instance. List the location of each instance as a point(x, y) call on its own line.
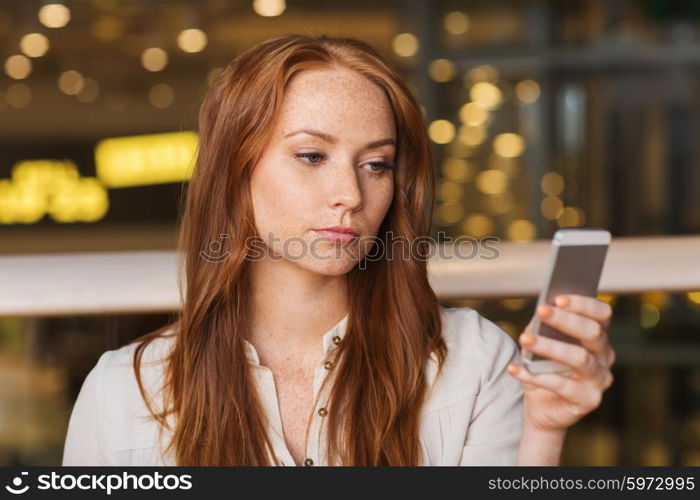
point(457, 169)
point(89, 92)
point(442, 70)
point(456, 23)
point(472, 136)
point(269, 8)
point(655, 297)
point(154, 59)
point(514, 304)
point(499, 203)
point(161, 95)
point(478, 225)
point(18, 95)
point(71, 82)
point(649, 316)
point(491, 181)
point(508, 145)
point(521, 230)
point(571, 217)
point(441, 131)
point(449, 190)
point(552, 184)
point(405, 44)
point(693, 297)
point(450, 212)
point(473, 115)
point(486, 94)
point(192, 40)
point(107, 28)
point(482, 73)
point(527, 91)
point(551, 207)
point(18, 66)
point(510, 166)
point(54, 15)
point(34, 44)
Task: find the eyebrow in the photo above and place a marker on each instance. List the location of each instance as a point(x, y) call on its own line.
point(332, 140)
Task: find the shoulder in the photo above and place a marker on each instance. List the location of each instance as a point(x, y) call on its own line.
point(119, 377)
point(129, 418)
point(154, 353)
point(478, 351)
point(469, 335)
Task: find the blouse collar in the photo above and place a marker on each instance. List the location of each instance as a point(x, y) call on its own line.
point(331, 340)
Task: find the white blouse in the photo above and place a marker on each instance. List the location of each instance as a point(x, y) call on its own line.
point(472, 414)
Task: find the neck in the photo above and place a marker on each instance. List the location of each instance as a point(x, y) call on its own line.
point(292, 308)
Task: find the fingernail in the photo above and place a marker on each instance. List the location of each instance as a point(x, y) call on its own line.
point(544, 310)
point(528, 339)
point(562, 301)
point(512, 369)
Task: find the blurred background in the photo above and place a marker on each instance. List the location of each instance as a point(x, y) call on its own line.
point(543, 114)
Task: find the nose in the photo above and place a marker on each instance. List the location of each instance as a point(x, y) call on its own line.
point(346, 189)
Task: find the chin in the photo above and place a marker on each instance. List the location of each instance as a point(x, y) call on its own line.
point(330, 267)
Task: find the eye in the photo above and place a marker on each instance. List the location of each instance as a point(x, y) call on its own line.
point(312, 157)
point(379, 167)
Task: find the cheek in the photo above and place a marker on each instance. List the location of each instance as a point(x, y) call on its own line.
point(278, 197)
point(379, 200)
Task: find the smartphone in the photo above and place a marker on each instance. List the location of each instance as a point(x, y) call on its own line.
point(575, 265)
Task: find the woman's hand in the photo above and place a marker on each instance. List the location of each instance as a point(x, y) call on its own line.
point(555, 401)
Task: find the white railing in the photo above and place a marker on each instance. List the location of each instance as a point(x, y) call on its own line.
point(146, 281)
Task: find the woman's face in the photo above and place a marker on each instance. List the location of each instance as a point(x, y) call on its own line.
point(324, 167)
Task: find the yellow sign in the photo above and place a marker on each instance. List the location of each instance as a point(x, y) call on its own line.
point(54, 187)
point(146, 159)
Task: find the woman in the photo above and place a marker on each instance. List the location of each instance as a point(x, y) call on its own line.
point(293, 346)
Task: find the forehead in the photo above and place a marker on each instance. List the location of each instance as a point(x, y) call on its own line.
point(337, 101)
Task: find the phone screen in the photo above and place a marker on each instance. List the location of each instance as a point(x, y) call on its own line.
point(576, 270)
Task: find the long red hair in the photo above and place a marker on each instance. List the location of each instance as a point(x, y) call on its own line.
point(394, 322)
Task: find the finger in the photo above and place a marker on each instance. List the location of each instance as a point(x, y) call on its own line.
point(590, 307)
point(582, 395)
point(592, 334)
point(575, 356)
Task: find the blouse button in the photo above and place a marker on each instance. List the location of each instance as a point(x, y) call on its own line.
point(328, 365)
point(322, 412)
point(336, 340)
point(308, 462)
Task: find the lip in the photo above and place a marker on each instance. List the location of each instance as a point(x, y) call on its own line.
point(339, 229)
point(337, 233)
